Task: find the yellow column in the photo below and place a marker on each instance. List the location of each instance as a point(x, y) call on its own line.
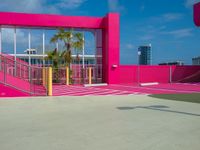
point(67, 75)
point(50, 81)
point(90, 75)
point(44, 76)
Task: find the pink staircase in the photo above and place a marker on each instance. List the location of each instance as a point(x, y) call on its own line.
point(19, 79)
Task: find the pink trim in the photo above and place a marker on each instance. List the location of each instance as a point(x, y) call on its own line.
point(44, 20)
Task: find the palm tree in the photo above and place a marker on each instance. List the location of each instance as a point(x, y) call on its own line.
point(78, 44)
point(56, 58)
point(66, 37)
point(72, 41)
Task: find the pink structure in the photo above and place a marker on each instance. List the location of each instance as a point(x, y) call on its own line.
point(109, 25)
point(197, 14)
point(113, 72)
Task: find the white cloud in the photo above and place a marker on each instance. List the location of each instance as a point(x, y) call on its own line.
point(22, 36)
point(39, 6)
point(168, 17)
point(142, 8)
point(147, 37)
point(180, 33)
point(115, 6)
point(70, 4)
point(190, 3)
point(130, 46)
point(172, 16)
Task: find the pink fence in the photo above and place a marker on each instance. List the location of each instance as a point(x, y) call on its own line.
point(161, 74)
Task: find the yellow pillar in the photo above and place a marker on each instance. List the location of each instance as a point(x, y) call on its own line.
point(90, 75)
point(44, 76)
point(49, 81)
point(67, 75)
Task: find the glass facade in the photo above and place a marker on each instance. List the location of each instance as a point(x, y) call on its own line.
point(31, 45)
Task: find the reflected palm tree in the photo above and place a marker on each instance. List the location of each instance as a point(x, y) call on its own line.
point(72, 41)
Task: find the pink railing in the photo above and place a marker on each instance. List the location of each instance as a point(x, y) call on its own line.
point(21, 76)
point(78, 74)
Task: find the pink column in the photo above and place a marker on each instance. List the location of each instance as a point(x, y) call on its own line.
point(197, 14)
point(111, 47)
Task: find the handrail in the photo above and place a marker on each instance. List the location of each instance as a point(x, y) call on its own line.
point(24, 77)
point(4, 55)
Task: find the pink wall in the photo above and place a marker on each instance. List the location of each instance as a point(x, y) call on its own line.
point(127, 74)
point(161, 74)
point(154, 74)
point(186, 73)
point(134, 73)
point(197, 14)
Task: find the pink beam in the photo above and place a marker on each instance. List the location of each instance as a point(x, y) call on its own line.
point(197, 14)
point(44, 20)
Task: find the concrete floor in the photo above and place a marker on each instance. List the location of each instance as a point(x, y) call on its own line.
point(98, 123)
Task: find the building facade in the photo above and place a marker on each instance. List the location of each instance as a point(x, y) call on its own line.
point(196, 61)
point(177, 63)
point(145, 55)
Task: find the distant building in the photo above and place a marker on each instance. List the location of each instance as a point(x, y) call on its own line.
point(30, 51)
point(196, 60)
point(177, 63)
point(144, 55)
point(38, 59)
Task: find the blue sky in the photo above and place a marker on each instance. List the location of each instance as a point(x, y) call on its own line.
point(166, 24)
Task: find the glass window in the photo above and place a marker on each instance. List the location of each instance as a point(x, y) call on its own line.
point(22, 40)
point(8, 40)
point(36, 41)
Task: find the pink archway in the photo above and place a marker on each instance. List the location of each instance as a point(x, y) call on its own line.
point(109, 25)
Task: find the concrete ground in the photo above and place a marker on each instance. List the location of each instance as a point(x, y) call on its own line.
point(98, 123)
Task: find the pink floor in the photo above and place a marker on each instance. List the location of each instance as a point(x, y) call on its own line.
point(125, 89)
point(113, 89)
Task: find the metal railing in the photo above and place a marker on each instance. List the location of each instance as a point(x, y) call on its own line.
point(23, 77)
point(77, 74)
point(80, 75)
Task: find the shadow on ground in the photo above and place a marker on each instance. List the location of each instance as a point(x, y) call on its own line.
point(194, 97)
point(161, 108)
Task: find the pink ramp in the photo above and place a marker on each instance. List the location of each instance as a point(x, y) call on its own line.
point(6, 91)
